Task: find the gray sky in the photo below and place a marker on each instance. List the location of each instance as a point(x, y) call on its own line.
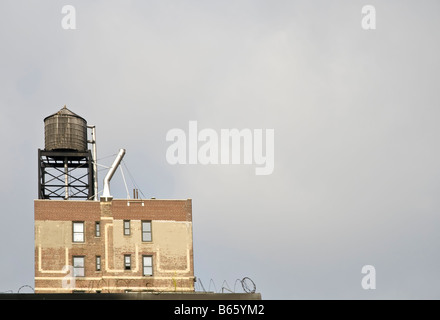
point(355, 114)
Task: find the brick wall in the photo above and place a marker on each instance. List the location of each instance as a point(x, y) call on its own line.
point(171, 248)
point(177, 210)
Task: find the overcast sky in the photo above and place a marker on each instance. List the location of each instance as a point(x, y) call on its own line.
point(355, 112)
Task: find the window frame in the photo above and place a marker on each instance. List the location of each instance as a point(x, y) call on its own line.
point(125, 228)
point(75, 268)
point(97, 229)
point(127, 267)
point(97, 263)
point(146, 232)
point(76, 233)
point(144, 266)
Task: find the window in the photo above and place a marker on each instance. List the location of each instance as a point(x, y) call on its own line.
point(78, 266)
point(97, 229)
point(147, 264)
point(98, 263)
point(78, 231)
point(127, 262)
point(146, 231)
point(126, 227)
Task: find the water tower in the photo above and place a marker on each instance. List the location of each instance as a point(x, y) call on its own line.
point(66, 167)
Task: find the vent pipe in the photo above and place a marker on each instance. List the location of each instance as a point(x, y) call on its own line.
point(106, 193)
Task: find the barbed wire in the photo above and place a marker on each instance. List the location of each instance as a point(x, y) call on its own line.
point(18, 291)
point(247, 285)
point(24, 286)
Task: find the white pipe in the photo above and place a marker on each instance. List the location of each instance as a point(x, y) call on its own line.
point(66, 180)
point(108, 177)
point(95, 164)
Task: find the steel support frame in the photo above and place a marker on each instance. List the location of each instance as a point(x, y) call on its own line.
point(65, 175)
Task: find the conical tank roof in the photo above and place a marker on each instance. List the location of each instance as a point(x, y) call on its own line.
point(64, 112)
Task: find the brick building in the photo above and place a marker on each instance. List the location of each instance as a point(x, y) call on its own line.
point(83, 243)
point(113, 246)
